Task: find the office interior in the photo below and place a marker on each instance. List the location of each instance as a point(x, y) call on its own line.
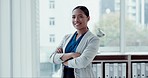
point(30, 30)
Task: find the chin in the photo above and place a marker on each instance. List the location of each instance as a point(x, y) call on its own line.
point(77, 27)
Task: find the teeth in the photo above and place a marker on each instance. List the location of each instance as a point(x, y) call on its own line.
point(77, 24)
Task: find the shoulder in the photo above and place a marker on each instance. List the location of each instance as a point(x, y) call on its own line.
point(67, 36)
point(90, 35)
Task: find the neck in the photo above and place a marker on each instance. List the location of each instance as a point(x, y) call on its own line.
point(82, 31)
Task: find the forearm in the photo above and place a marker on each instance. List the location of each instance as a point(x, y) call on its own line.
point(84, 60)
point(55, 58)
point(69, 57)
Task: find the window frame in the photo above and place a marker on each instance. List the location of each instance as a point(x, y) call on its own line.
point(52, 21)
point(51, 38)
point(51, 4)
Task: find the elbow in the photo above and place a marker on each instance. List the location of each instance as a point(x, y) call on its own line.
point(79, 63)
point(83, 66)
point(84, 63)
point(51, 60)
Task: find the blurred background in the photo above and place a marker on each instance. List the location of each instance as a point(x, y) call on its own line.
point(31, 29)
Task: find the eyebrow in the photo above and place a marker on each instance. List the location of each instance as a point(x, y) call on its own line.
point(79, 14)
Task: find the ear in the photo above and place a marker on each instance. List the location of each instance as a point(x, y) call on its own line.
point(88, 18)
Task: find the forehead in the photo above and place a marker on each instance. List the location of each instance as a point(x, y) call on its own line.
point(77, 12)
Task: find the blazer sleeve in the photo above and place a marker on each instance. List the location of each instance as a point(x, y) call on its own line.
point(56, 57)
point(87, 55)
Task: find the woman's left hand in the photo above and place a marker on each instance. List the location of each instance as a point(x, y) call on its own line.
point(70, 55)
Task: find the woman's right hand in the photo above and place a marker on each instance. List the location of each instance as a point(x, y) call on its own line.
point(59, 50)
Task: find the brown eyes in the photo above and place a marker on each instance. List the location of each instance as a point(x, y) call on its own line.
point(77, 17)
point(73, 17)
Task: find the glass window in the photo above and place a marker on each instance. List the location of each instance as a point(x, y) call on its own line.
point(51, 4)
point(109, 23)
point(51, 21)
point(105, 19)
point(51, 38)
point(136, 26)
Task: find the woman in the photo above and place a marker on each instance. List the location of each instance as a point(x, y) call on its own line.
point(77, 50)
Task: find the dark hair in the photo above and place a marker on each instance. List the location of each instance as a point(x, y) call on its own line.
point(84, 9)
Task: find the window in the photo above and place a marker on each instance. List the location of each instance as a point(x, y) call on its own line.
point(124, 23)
point(51, 4)
point(146, 12)
point(19, 42)
point(109, 23)
point(136, 29)
point(51, 21)
point(51, 38)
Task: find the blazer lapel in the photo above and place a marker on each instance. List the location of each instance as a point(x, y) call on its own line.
point(82, 43)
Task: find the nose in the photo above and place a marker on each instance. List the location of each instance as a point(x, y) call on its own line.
point(76, 19)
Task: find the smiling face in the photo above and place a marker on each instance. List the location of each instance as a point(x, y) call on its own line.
point(79, 19)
